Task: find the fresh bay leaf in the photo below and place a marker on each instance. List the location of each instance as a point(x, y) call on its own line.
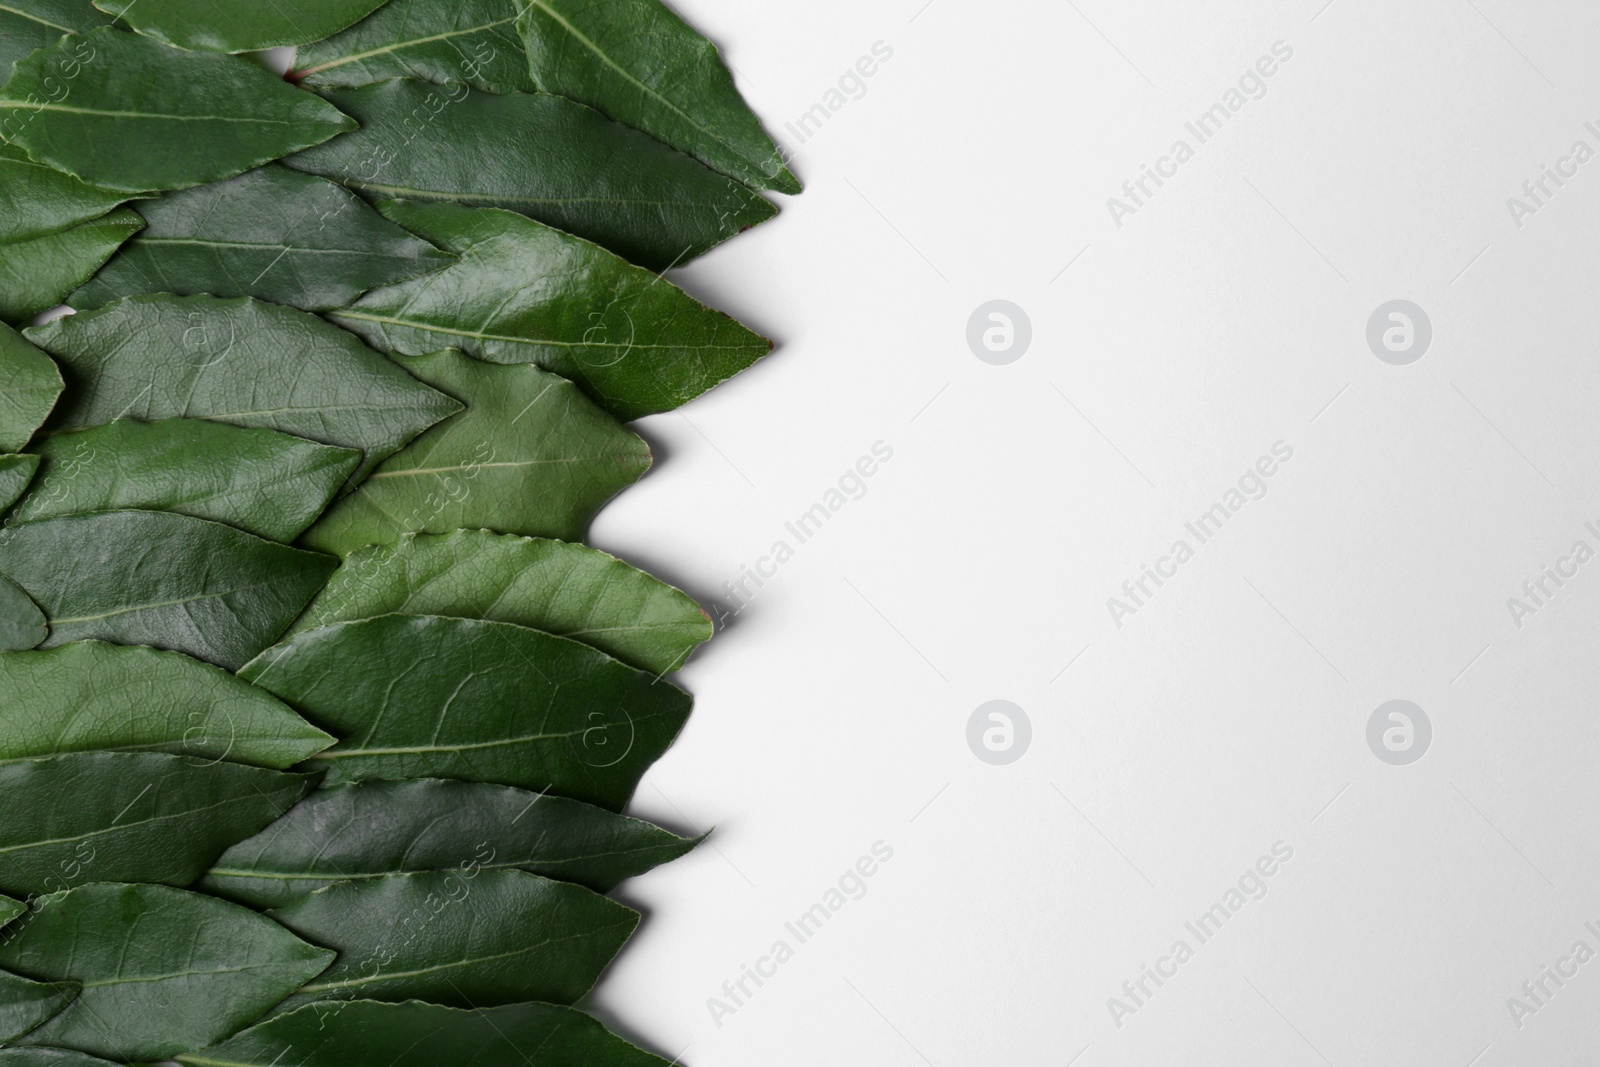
point(37, 273)
point(430, 697)
point(637, 62)
point(90, 696)
point(24, 1004)
point(49, 1057)
point(467, 939)
point(272, 233)
point(441, 41)
point(36, 199)
point(16, 472)
point(130, 817)
point(238, 25)
point(264, 482)
point(525, 293)
point(529, 455)
point(561, 588)
point(369, 830)
point(95, 106)
point(32, 384)
point(238, 361)
point(22, 624)
point(414, 1034)
point(10, 909)
point(154, 578)
point(27, 25)
point(547, 157)
point(164, 971)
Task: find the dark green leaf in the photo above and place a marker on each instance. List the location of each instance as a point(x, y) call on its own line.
point(22, 624)
point(164, 971)
point(25, 1004)
point(130, 817)
point(126, 112)
point(466, 938)
point(525, 293)
point(10, 909)
point(425, 1035)
point(32, 384)
point(530, 455)
point(153, 578)
point(471, 41)
point(49, 1057)
point(421, 697)
point(36, 199)
point(238, 25)
point(237, 361)
point(26, 25)
point(37, 273)
point(372, 829)
point(16, 472)
point(262, 481)
point(560, 588)
point(637, 62)
point(547, 157)
point(275, 233)
point(88, 696)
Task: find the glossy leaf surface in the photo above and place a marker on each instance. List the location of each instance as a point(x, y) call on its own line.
point(24, 1003)
point(36, 199)
point(441, 41)
point(37, 273)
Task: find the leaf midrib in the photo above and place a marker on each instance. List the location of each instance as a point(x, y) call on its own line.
point(406, 43)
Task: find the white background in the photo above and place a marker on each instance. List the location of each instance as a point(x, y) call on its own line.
point(1229, 713)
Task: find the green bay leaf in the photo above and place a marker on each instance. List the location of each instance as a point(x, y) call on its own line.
point(467, 938)
point(430, 697)
point(441, 41)
point(239, 361)
point(164, 971)
point(36, 199)
point(159, 579)
point(90, 696)
point(49, 1057)
point(637, 62)
point(525, 293)
point(16, 472)
point(27, 25)
point(95, 106)
point(561, 588)
point(547, 157)
point(366, 831)
point(32, 384)
point(130, 817)
point(274, 233)
point(37, 273)
point(415, 1034)
point(529, 455)
point(24, 1003)
point(10, 909)
point(238, 25)
point(264, 482)
point(22, 624)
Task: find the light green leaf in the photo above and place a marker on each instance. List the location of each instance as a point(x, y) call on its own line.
point(93, 696)
point(561, 588)
point(530, 455)
point(429, 697)
point(26, 25)
point(32, 384)
point(164, 971)
point(37, 273)
point(545, 156)
point(49, 1057)
point(273, 233)
point(471, 41)
point(16, 472)
point(36, 199)
point(466, 938)
point(130, 817)
point(525, 293)
point(237, 361)
point(262, 481)
point(238, 25)
point(25, 1004)
point(372, 829)
point(637, 62)
point(99, 106)
point(415, 1034)
point(169, 581)
point(22, 624)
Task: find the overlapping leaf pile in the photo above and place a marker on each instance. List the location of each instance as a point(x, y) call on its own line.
point(316, 717)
